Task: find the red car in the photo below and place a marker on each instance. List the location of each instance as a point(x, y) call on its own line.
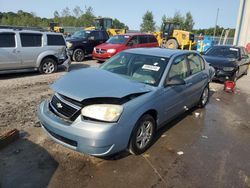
point(122, 42)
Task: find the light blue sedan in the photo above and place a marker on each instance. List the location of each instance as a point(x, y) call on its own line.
point(101, 111)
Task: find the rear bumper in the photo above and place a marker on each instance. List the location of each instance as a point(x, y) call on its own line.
point(223, 75)
point(65, 62)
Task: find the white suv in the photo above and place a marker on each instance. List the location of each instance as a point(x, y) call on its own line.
point(29, 49)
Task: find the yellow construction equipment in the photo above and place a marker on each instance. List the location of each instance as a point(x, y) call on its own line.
point(171, 36)
point(54, 26)
point(106, 24)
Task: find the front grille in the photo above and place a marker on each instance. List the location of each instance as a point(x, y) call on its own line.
point(100, 51)
point(64, 108)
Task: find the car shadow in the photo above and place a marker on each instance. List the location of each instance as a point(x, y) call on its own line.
point(21, 166)
point(158, 134)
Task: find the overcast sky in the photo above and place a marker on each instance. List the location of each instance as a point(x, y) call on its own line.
point(131, 11)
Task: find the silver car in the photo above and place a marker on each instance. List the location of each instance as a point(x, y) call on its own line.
point(121, 105)
point(34, 50)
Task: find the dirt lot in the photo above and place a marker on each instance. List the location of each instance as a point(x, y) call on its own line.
point(215, 144)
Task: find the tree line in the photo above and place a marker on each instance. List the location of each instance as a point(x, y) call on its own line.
point(185, 22)
point(74, 18)
point(78, 17)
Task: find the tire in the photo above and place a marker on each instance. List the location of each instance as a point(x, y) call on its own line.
point(246, 72)
point(78, 55)
point(48, 66)
point(140, 141)
point(235, 76)
point(204, 97)
point(172, 43)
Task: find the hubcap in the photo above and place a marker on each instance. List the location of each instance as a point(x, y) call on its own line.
point(204, 96)
point(144, 134)
point(48, 67)
point(79, 55)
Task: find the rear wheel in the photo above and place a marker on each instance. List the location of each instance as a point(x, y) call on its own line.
point(78, 55)
point(142, 135)
point(204, 97)
point(172, 43)
point(48, 66)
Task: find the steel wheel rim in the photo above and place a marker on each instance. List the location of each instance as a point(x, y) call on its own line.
point(79, 55)
point(144, 134)
point(48, 67)
point(204, 96)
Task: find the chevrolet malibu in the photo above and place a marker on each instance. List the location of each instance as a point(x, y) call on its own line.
point(119, 106)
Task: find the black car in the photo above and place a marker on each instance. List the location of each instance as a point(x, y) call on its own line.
point(82, 43)
point(229, 62)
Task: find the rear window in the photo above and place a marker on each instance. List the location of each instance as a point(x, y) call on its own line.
point(31, 39)
point(7, 40)
point(55, 40)
point(227, 52)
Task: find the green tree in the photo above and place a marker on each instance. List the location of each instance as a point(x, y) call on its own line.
point(148, 23)
point(88, 17)
point(189, 22)
point(163, 20)
point(119, 25)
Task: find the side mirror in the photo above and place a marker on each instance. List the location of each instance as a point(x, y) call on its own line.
point(175, 81)
point(91, 38)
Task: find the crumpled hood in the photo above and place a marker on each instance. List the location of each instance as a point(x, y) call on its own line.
point(94, 83)
point(219, 61)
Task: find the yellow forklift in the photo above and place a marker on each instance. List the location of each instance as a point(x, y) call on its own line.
point(54, 27)
point(106, 24)
point(172, 36)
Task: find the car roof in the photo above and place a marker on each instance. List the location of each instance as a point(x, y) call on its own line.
point(228, 46)
point(28, 31)
point(135, 34)
point(160, 52)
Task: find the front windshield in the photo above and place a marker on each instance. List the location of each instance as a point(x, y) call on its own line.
point(142, 68)
point(227, 52)
point(118, 39)
point(80, 34)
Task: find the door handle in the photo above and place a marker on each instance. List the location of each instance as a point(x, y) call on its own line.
point(16, 51)
point(204, 76)
point(189, 84)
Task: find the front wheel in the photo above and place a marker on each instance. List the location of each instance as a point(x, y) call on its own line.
point(142, 135)
point(78, 55)
point(204, 97)
point(48, 66)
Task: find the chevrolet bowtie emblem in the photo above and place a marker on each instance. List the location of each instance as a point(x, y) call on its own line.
point(59, 105)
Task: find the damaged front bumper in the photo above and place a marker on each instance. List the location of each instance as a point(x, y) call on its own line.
point(94, 138)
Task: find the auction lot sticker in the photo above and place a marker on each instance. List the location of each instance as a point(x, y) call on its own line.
point(151, 67)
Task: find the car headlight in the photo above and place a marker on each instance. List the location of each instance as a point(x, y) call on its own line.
point(228, 68)
point(111, 51)
point(103, 112)
point(69, 44)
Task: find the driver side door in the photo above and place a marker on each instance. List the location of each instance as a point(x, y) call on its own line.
point(173, 98)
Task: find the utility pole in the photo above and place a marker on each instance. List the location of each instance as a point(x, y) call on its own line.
point(216, 21)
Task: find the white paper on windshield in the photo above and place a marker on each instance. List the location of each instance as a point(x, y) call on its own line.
point(126, 36)
point(151, 67)
point(234, 49)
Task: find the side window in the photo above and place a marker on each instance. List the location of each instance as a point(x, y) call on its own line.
point(152, 39)
point(143, 39)
point(179, 68)
point(7, 40)
point(96, 35)
point(134, 40)
point(31, 39)
point(196, 63)
point(55, 40)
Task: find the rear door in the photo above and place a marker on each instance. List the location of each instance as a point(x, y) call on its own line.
point(197, 80)
point(9, 51)
point(31, 48)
